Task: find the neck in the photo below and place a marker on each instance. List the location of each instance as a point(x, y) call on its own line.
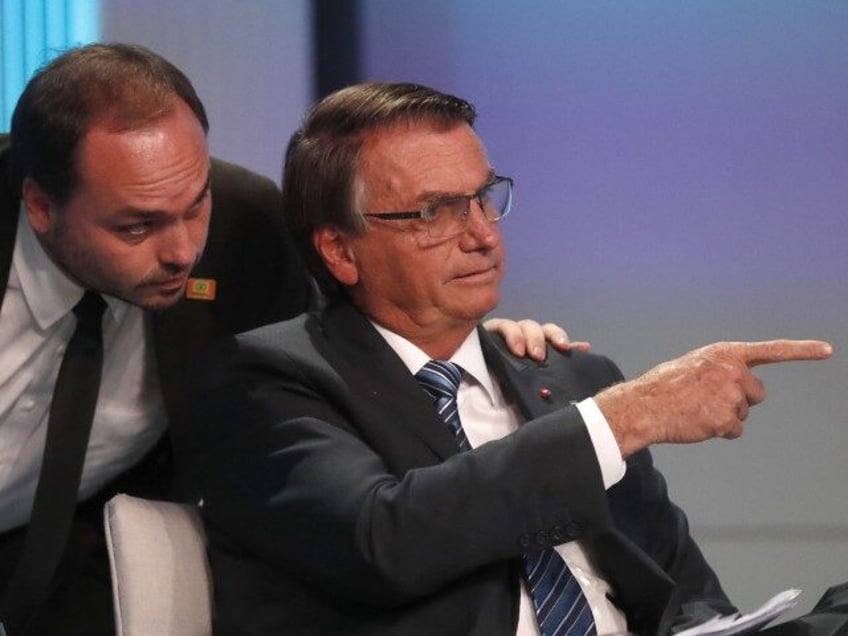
point(441, 348)
point(439, 342)
point(432, 330)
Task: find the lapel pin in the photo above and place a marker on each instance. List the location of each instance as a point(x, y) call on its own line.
point(544, 393)
point(201, 289)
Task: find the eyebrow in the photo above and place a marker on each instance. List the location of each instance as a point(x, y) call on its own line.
point(429, 195)
point(204, 191)
point(138, 212)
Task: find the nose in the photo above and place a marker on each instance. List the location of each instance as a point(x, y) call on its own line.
point(178, 248)
point(480, 231)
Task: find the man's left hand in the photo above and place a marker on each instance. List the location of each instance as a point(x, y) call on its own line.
point(528, 337)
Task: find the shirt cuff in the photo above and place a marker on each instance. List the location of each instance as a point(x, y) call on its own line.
point(606, 448)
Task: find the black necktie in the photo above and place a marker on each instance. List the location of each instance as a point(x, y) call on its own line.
point(561, 608)
point(68, 429)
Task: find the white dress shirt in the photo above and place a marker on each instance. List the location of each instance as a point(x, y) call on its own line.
point(486, 416)
point(36, 323)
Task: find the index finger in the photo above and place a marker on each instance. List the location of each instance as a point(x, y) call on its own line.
point(770, 351)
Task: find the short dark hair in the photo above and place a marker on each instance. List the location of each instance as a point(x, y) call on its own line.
point(126, 85)
point(322, 160)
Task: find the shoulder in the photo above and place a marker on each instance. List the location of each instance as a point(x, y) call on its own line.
point(261, 352)
point(271, 363)
point(284, 343)
point(594, 368)
point(242, 195)
point(244, 204)
point(278, 335)
point(232, 178)
point(588, 363)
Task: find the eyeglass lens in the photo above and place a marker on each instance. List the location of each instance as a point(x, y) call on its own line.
point(450, 216)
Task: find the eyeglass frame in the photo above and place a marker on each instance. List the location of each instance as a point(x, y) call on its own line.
point(433, 203)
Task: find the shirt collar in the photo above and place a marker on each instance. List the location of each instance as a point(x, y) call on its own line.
point(49, 293)
point(469, 356)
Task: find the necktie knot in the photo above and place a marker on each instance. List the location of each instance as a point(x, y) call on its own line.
point(440, 378)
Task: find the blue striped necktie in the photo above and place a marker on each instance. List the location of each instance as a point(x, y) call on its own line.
point(561, 608)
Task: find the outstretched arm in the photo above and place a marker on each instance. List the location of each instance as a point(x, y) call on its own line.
point(703, 394)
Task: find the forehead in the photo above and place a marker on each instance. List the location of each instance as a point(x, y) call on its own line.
point(410, 162)
point(161, 157)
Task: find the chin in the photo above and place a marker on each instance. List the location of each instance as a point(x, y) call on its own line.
point(156, 302)
point(491, 300)
point(477, 310)
point(170, 301)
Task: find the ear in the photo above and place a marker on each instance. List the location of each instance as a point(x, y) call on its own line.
point(334, 248)
point(39, 206)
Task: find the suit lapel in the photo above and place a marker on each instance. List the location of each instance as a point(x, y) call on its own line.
point(533, 386)
point(383, 388)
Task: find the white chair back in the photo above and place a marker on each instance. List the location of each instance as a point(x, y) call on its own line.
point(161, 582)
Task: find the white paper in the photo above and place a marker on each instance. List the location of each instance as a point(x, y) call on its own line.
point(746, 623)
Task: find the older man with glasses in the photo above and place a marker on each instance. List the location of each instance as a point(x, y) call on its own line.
point(385, 467)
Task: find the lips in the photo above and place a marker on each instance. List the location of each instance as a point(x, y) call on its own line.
point(171, 284)
point(483, 272)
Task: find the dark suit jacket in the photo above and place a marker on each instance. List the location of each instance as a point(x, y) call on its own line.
point(337, 502)
point(259, 276)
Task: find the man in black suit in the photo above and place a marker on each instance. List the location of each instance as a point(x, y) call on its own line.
point(338, 500)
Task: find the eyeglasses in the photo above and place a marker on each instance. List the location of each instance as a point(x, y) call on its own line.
point(448, 216)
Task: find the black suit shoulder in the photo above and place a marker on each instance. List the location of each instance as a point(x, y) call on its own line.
point(566, 377)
